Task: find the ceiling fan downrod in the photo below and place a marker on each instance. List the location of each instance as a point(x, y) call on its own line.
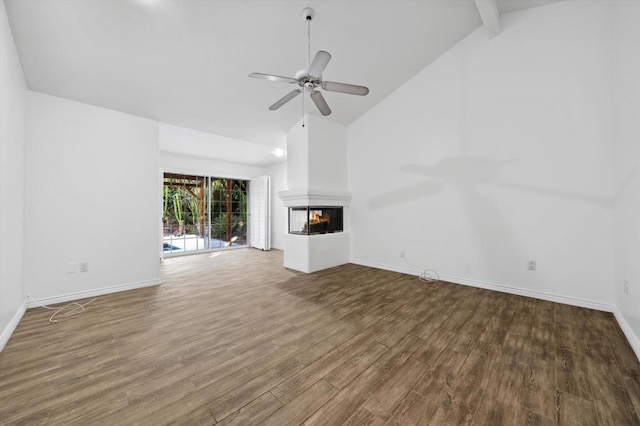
point(307, 15)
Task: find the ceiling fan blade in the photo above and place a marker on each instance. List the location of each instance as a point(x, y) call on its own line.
point(272, 77)
point(320, 102)
point(351, 89)
point(285, 99)
point(319, 63)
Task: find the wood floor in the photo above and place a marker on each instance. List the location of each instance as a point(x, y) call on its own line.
point(234, 338)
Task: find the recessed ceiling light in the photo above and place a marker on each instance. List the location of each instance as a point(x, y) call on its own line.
point(278, 152)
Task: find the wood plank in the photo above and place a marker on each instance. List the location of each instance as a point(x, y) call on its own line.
point(442, 379)
point(199, 417)
point(400, 353)
point(527, 417)
point(325, 346)
point(536, 394)
point(498, 405)
point(230, 402)
point(352, 367)
point(614, 406)
point(396, 330)
point(346, 402)
point(363, 417)
point(431, 349)
point(386, 398)
point(632, 387)
point(572, 374)
point(443, 372)
point(468, 388)
point(303, 379)
point(575, 411)
point(416, 409)
point(223, 333)
point(302, 406)
point(254, 412)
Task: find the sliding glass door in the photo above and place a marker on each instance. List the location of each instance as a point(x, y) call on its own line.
point(203, 213)
point(228, 207)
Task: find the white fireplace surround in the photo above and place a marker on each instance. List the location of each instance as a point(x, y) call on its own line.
point(297, 197)
point(317, 176)
point(311, 253)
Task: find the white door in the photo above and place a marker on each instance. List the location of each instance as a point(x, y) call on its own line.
point(260, 213)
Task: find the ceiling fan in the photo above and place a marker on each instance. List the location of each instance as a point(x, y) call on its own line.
point(310, 79)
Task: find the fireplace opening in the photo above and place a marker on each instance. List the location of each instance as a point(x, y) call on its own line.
point(312, 220)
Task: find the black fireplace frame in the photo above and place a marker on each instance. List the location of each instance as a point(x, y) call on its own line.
point(333, 225)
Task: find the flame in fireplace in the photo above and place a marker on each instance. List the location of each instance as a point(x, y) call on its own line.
point(314, 218)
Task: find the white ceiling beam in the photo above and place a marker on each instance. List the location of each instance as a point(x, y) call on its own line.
point(490, 15)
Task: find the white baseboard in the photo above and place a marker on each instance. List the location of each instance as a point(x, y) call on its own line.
point(11, 327)
point(628, 332)
point(633, 340)
point(90, 293)
point(551, 297)
point(402, 270)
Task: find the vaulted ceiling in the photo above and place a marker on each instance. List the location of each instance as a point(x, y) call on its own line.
point(186, 62)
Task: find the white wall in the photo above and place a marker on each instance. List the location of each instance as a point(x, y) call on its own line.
point(298, 155)
point(316, 155)
point(12, 107)
point(497, 153)
point(279, 218)
point(327, 151)
point(626, 165)
point(179, 163)
point(91, 196)
point(180, 140)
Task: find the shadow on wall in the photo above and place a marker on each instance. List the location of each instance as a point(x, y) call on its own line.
point(622, 188)
point(466, 173)
point(462, 171)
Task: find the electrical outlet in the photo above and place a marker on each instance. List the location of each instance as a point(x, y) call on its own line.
point(83, 267)
point(531, 265)
point(402, 253)
point(626, 287)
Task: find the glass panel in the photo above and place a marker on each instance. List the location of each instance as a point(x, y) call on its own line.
point(315, 220)
point(298, 220)
point(202, 213)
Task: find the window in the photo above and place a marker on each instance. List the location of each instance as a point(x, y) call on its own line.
point(203, 213)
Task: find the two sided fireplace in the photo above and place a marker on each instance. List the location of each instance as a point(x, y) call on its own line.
point(311, 220)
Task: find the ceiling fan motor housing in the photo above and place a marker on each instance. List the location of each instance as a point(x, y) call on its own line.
point(301, 75)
